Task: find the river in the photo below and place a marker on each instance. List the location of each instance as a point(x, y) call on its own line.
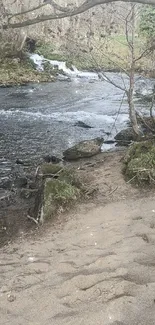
point(39, 119)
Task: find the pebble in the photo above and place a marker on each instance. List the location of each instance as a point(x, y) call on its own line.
point(11, 298)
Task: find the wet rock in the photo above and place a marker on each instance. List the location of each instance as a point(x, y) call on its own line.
point(52, 159)
point(32, 185)
point(83, 125)
point(61, 77)
point(30, 44)
point(5, 183)
point(107, 133)
point(19, 162)
point(5, 195)
point(20, 182)
point(84, 149)
point(26, 193)
point(109, 141)
point(124, 137)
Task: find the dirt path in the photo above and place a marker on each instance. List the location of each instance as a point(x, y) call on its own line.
point(97, 268)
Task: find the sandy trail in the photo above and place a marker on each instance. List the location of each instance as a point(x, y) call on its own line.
point(97, 268)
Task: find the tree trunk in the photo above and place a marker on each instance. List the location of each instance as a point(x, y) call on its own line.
point(130, 92)
point(132, 114)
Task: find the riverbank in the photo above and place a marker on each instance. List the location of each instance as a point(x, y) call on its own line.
point(95, 262)
point(107, 58)
point(103, 181)
point(15, 72)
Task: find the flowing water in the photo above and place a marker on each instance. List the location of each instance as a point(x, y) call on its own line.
point(39, 119)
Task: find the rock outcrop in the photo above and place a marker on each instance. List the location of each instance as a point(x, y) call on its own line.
point(84, 149)
point(125, 137)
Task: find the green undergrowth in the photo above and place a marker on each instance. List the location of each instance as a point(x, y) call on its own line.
point(139, 163)
point(16, 72)
point(50, 168)
point(110, 53)
point(61, 193)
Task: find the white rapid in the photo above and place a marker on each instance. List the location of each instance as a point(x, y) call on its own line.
point(39, 61)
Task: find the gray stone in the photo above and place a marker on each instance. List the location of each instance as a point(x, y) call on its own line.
point(83, 125)
point(84, 149)
point(125, 136)
point(26, 193)
point(20, 182)
point(5, 183)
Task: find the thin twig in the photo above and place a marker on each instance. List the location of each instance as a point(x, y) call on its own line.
point(131, 179)
point(113, 190)
point(37, 170)
point(33, 219)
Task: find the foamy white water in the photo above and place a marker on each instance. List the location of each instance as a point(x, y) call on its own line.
point(39, 61)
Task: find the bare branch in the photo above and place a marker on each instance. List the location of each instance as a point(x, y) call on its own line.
point(26, 11)
point(56, 6)
point(65, 13)
point(144, 53)
point(115, 63)
point(108, 79)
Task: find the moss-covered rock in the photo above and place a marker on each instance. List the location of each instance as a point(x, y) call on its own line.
point(58, 194)
point(139, 162)
point(51, 169)
point(125, 137)
point(84, 149)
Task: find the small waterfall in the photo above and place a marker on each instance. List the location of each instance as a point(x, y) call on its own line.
point(39, 61)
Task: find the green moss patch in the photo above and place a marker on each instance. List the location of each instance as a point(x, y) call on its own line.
point(45, 49)
point(58, 195)
point(14, 72)
point(51, 169)
point(139, 163)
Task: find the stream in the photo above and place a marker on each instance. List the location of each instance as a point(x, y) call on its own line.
point(39, 119)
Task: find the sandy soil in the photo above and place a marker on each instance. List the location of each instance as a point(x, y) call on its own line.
point(94, 265)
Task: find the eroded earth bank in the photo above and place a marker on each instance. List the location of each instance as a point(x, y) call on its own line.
point(94, 265)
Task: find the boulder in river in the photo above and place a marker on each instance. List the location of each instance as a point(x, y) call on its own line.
point(84, 149)
point(124, 137)
point(52, 159)
point(5, 183)
point(20, 182)
point(83, 125)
